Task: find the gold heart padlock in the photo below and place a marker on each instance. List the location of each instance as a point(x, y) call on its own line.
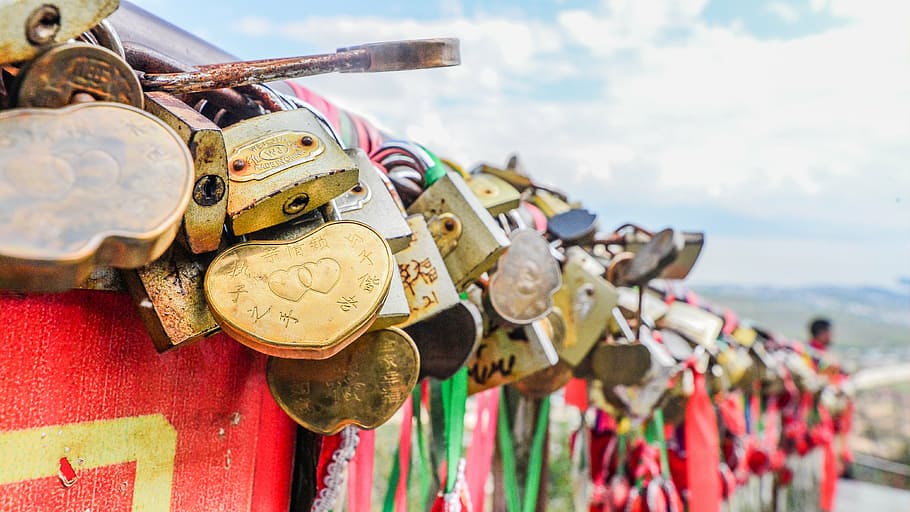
point(302, 299)
point(363, 385)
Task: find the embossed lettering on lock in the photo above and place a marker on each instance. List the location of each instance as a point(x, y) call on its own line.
point(423, 273)
point(170, 296)
point(693, 322)
point(504, 357)
point(78, 191)
point(371, 201)
point(521, 290)
point(29, 26)
point(76, 73)
point(303, 299)
point(363, 385)
point(482, 241)
point(280, 166)
point(494, 193)
point(203, 222)
point(585, 301)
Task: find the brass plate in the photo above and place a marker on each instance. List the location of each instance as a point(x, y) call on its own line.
point(494, 193)
point(302, 299)
point(282, 165)
point(53, 22)
point(362, 385)
point(100, 184)
point(57, 75)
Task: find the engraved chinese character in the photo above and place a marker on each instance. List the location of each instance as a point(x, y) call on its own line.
point(366, 257)
point(354, 239)
point(416, 270)
point(254, 313)
point(368, 282)
point(429, 300)
point(272, 255)
point(238, 268)
point(319, 243)
point(288, 317)
point(347, 303)
point(241, 288)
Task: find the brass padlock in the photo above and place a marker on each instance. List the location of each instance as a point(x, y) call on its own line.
point(374, 201)
point(693, 322)
point(504, 357)
point(495, 194)
point(427, 284)
point(280, 166)
point(29, 26)
point(526, 278)
point(203, 222)
point(170, 297)
point(585, 301)
point(482, 240)
point(304, 299)
point(77, 73)
point(96, 184)
point(396, 309)
point(363, 385)
point(550, 204)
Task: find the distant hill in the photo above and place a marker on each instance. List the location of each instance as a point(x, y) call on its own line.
point(870, 323)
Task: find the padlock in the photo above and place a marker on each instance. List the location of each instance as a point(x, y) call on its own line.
point(526, 278)
point(77, 73)
point(651, 259)
point(280, 166)
point(106, 183)
point(653, 307)
point(395, 309)
point(363, 384)
point(427, 284)
point(170, 297)
point(495, 194)
point(694, 323)
point(203, 222)
point(374, 201)
point(29, 26)
point(266, 294)
point(585, 301)
point(679, 268)
point(447, 339)
point(549, 203)
point(481, 242)
point(504, 356)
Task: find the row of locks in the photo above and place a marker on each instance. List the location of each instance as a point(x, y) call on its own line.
point(361, 264)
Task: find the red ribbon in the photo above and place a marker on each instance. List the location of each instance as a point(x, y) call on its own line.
point(360, 473)
point(702, 450)
point(480, 453)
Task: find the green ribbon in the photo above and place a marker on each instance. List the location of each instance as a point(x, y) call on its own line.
point(423, 458)
point(454, 398)
point(535, 461)
point(434, 173)
point(388, 504)
point(655, 432)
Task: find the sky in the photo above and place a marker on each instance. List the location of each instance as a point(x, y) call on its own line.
point(781, 129)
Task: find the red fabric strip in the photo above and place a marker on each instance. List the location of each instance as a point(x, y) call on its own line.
point(360, 473)
point(404, 457)
point(480, 453)
point(702, 450)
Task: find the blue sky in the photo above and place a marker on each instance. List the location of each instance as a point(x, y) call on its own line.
point(780, 128)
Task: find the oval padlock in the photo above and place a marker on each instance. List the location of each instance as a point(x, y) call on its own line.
point(363, 384)
point(77, 73)
point(79, 191)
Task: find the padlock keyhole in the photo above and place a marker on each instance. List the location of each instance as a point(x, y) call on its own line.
point(209, 190)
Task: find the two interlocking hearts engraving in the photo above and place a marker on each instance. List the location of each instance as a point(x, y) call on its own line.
point(292, 283)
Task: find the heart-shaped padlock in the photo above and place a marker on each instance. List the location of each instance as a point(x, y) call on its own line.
point(303, 299)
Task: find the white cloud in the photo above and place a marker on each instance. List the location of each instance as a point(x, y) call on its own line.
point(813, 129)
point(785, 12)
